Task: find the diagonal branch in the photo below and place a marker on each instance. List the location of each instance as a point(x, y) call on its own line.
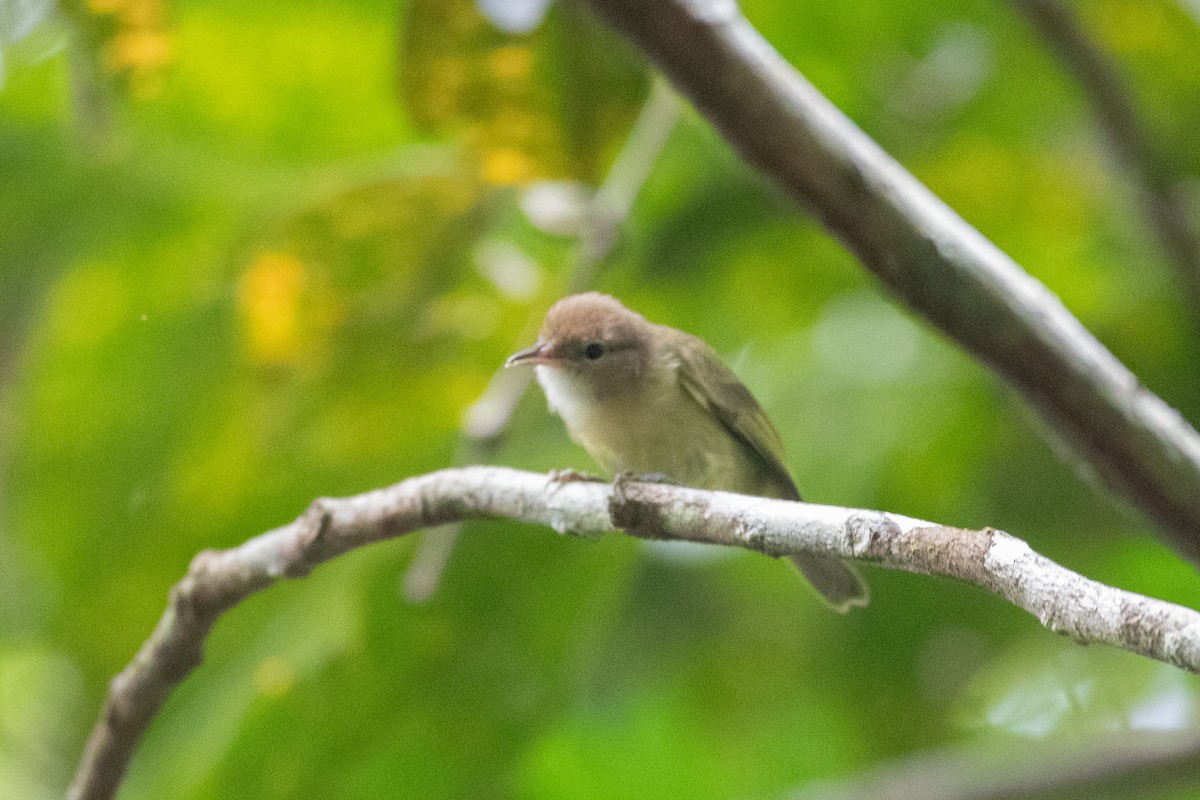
point(1163, 195)
point(927, 255)
point(1063, 601)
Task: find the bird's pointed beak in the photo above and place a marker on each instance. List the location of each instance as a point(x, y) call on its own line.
point(538, 354)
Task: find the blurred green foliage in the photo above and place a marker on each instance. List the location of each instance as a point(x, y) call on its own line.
point(256, 252)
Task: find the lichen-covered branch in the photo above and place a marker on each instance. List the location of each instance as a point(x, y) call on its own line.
point(927, 255)
point(216, 581)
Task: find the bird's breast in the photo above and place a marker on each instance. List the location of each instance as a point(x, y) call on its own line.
point(658, 429)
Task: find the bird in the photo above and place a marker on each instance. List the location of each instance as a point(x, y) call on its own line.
point(645, 399)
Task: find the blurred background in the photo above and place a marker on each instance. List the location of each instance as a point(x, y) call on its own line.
point(256, 252)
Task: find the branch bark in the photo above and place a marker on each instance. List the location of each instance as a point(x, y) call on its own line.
point(216, 581)
point(1163, 195)
point(927, 255)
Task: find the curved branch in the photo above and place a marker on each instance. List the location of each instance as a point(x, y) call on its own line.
point(1164, 198)
point(927, 255)
point(216, 581)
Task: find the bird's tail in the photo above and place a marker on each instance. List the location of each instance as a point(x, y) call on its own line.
point(837, 582)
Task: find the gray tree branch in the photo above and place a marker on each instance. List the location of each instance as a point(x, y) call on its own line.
point(1163, 196)
point(216, 581)
point(927, 255)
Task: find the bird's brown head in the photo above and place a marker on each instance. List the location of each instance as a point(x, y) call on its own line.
point(593, 337)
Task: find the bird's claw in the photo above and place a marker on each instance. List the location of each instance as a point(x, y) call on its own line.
point(628, 514)
point(621, 479)
point(650, 477)
point(558, 477)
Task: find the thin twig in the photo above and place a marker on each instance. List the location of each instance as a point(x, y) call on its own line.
point(486, 420)
point(1164, 197)
point(1064, 601)
point(93, 100)
point(927, 255)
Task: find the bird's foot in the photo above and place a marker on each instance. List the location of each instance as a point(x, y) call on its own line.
point(626, 512)
point(558, 477)
point(625, 477)
point(649, 477)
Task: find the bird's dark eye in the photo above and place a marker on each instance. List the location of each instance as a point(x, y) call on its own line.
point(593, 351)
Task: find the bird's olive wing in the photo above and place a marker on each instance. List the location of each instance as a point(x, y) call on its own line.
point(714, 386)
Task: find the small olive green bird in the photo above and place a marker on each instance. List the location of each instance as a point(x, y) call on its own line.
point(646, 399)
